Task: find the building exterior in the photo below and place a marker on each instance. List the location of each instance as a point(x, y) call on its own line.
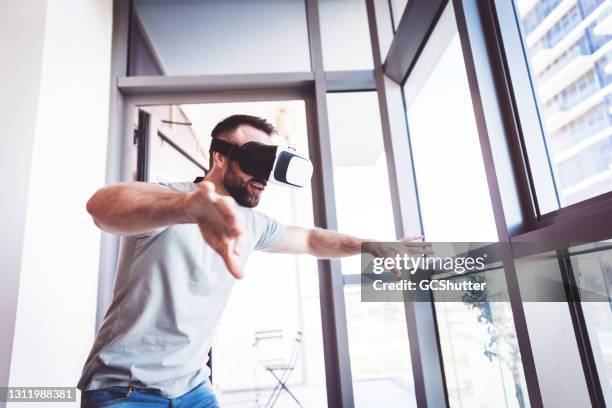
point(569, 47)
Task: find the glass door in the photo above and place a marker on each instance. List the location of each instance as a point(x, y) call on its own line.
point(279, 296)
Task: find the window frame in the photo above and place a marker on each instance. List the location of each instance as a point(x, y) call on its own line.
point(503, 106)
point(524, 104)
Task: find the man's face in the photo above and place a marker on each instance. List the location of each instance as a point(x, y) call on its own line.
point(244, 188)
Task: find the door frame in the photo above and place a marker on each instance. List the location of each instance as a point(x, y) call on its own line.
point(136, 92)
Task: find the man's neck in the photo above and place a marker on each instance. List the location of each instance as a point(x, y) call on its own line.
point(217, 180)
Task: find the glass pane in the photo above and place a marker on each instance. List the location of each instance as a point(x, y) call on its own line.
point(166, 161)
point(561, 381)
point(380, 352)
point(568, 44)
point(594, 272)
point(482, 361)
point(397, 8)
point(279, 295)
point(345, 35)
point(361, 184)
point(195, 37)
point(451, 181)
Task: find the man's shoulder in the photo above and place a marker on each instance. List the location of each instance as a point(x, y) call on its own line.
point(178, 185)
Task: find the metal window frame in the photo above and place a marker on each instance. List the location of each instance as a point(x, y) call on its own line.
point(142, 146)
point(546, 219)
point(424, 340)
point(586, 221)
point(522, 192)
point(581, 332)
point(529, 175)
point(109, 245)
point(417, 23)
point(489, 92)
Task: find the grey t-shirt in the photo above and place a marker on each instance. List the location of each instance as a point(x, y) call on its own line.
point(170, 291)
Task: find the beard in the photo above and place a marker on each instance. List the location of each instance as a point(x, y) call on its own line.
point(239, 189)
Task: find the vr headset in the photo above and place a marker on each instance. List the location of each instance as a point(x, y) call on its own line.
point(276, 164)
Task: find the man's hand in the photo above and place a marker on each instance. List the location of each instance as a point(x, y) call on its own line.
point(406, 245)
point(221, 223)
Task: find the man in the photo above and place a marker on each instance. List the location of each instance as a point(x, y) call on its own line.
point(171, 285)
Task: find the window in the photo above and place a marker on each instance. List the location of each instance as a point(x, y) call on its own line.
point(397, 9)
point(451, 181)
point(377, 331)
point(361, 184)
point(482, 361)
point(380, 352)
point(166, 157)
point(566, 48)
point(552, 331)
point(345, 35)
point(593, 273)
point(481, 358)
point(196, 37)
point(279, 294)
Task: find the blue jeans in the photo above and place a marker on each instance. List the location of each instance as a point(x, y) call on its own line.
point(201, 396)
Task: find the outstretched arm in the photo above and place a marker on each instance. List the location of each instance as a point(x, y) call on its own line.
point(140, 208)
point(325, 244)
point(318, 242)
point(136, 208)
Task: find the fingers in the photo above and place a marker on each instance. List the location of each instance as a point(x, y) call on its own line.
point(223, 211)
point(413, 238)
point(425, 250)
point(223, 227)
point(417, 247)
point(232, 262)
point(239, 244)
point(226, 206)
point(410, 244)
point(234, 219)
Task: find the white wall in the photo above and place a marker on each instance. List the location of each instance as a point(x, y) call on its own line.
point(59, 273)
point(22, 26)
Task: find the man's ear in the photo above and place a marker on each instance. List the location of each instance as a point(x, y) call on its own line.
point(219, 159)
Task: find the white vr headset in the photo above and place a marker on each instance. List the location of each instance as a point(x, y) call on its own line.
point(276, 164)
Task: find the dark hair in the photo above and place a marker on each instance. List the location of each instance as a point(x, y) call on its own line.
point(232, 123)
